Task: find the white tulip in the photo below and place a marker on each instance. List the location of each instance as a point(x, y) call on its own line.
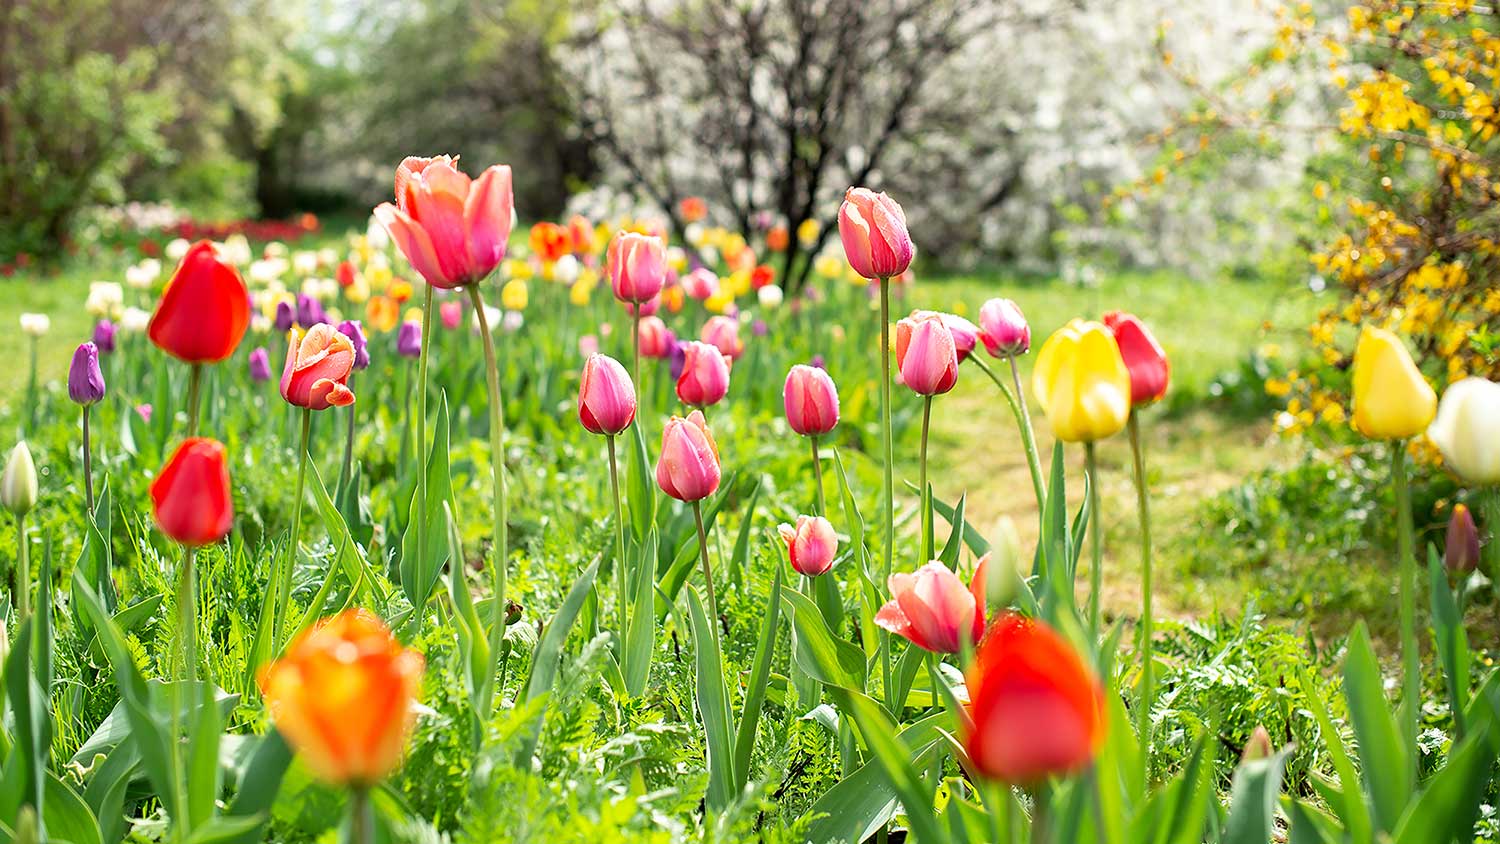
point(35, 324)
point(770, 296)
point(304, 263)
point(565, 269)
point(134, 320)
point(177, 248)
point(1467, 430)
point(18, 482)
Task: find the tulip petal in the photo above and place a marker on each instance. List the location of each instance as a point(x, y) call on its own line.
point(487, 217)
point(414, 243)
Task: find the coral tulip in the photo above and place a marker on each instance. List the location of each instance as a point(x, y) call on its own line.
point(204, 309)
point(811, 400)
point(811, 545)
point(656, 339)
point(318, 363)
point(926, 354)
point(705, 374)
point(933, 609)
point(1149, 368)
point(723, 332)
point(344, 697)
point(85, 380)
point(688, 469)
point(1391, 398)
point(1036, 710)
point(452, 229)
point(1003, 328)
point(1467, 430)
point(1082, 383)
point(637, 266)
point(191, 495)
point(606, 397)
point(873, 229)
point(1461, 549)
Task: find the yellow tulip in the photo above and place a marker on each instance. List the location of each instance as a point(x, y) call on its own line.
point(1082, 383)
point(1391, 398)
point(514, 295)
point(807, 232)
point(578, 294)
point(719, 302)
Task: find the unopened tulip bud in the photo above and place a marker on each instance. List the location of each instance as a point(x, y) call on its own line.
point(811, 545)
point(873, 229)
point(452, 314)
point(286, 316)
point(688, 468)
point(811, 401)
point(705, 375)
point(85, 379)
point(926, 354)
point(260, 365)
point(18, 487)
point(637, 266)
point(1082, 383)
point(1003, 328)
point(1149, 368)
point(1258, 747)
point(35, 325)
point(409, 340)
point(1461, 550)
point(104, 336)
point(723, 332)
point(770, 296)
point(191, 495)
point(1391, 398)
point(656, 339)
point(606, 397)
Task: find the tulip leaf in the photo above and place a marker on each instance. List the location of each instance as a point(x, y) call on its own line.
point(713, 705)
point(350, 555)
point(1351, 807)
point(203, 773)
point(640, 631)
point(895, 759)
point(24, 779)
point(421, 567)
point(1452, 642)
point(755, 689)
point(1449, 806)
point(639, 490)
point(1384, 761)
point(66, 816)
point(96, 558)
point(955, 516)
point(1253, 797)
point(823, 655)
point(739, 561)
point(858, 805)
point(548, 654)
point(260, 781)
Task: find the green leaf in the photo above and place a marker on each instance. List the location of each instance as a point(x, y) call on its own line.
point(894, 758)
point(202, 762)
point(869, 595)
point(1253, 797)
point(1449, 805)
point(96, 558)
point(860, 804)
point(640, 491)
point(640, 632)
point(713, 706)
point(949, 555)
point(67, 817)
point(827, 658)
point(739, 561)
point(1451, 640)
point(548, 654)
point(350, 555)
point(24, 778)
point(420, 567)
point(1354, 812)
point(473, 644)
point(260, 781)
point(755, 690)
point(1383, 759)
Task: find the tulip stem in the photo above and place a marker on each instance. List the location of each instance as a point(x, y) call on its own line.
point(1096, 573)
point(1017, 404)
point(621, 587)
point(284, 585)
point(195, 378)
point(635, 348)
point(1148, 670)
point(817, 467)
point(187, 613)
point(421, 510)
point(23, 572)
point(361, 816)
point(1410, 658)
point(890, 457)
point(88, 465)
point(708, 574)
point(497, 472)
point(31, 389)
point(348, 449)
point(926, 492)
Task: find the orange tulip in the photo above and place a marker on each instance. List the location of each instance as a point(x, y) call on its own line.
point(204, 309)
point(382, 313)
point(343, 697)
point(318, 363)
point(581, 234)
point(549, 241)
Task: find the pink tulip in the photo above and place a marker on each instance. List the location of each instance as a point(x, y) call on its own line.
point(965, 335)
point(452, 314)
point(873, 229)
point(705, 374)
point(637, 266)
point(926, 354)
point(318, 364)
point(811, 545)
point(724, 333)
point(1003, 328)
point(688, 469)
point(606, 398)
point(932, 608)
point(656, 339)
point(701, 284)
point(452, 229)
point(811, 400)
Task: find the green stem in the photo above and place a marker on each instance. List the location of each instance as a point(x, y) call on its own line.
point(1096, 527)
point(926, 493)
point(1411, 691)
point(635, 348)
point(497, 472)
point(88, 465)
point(284, 583)
point(31, 395)
point(195, 378)
point(187, 614)
point(348, 448)
point(361, 816)
point(23, 572)
point(1148, 669)
point(708, 574)
point(1017, 404)
point(421, 388)
point(817, 467)
point(889, 459)
point(621, 584)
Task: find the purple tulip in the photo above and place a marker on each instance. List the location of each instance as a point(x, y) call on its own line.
point(409, 340)
point(817, 360)
point(679, 358)
point(104, 335)
point(260, 365)
point(309, 311)
point(351, 329)
point(286, 316)
point(759, 328)
point(85, 381)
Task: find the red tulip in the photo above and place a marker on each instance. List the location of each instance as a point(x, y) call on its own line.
point(688, 469)
point(873, 229)
point(637, 266)
point(191, 495)
point(926, 354)
point(316, 374)
point(550, 241)
point(933, 609)
point(811, 400)
point(1036, 710)
point(723, 332)
point(705, 375)
point(656, 338)
point(1003, 328)
point(606, 398)
point(1149, 368)
point(204, 309)
point(452, 229)
point(811, 545)
point(345, 274)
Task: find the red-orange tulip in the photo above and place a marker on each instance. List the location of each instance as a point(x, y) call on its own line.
point(191, 495)
point(343, 696)
point(1036, 709)
point(204, 309)
point(316, 374)
point(550, 241)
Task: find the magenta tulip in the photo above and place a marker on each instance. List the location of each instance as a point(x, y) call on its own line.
point(705, 374)
point(1003, 329)
point(637, 266)
point(688, 469)
point(724, 333)
point(926, 354)
point(656, 339)
point(934, 610)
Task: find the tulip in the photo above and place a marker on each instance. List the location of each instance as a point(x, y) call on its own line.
point(85, 380)
point(35, 325)
point(260, 365)
point(1467, 430)
point(934, 610)
point(409, 340)
point(692, 208)
point(723, 333)
point(1003, 328)
point(191, 495)
point(811, 400)
point(345, 274)
point(965, 334)
point(204, 309)
point(770, 296)
point(452, 229)
point(926, 354)
point(581, 235)
point(318, 363)
point(656, 340)
point(286, 316)
point(351, 329)
point(811, 545)
point(18, 485)
point(1149, 368)
point(514, 295)
point(606, 396)
point(873, 229)
point(452, 314)
point(1082, 383)
point(1036, 709)
point(705, 375)
point(550, 241)
point(688, 469)
point(1461, 550)
point(1391, 398)
point(104, 336)
point(701, 284)
point(637, 266)
point(134, 320)
point(309, 311)
point(382, 313)
point(344, 697)
point(144, 411)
